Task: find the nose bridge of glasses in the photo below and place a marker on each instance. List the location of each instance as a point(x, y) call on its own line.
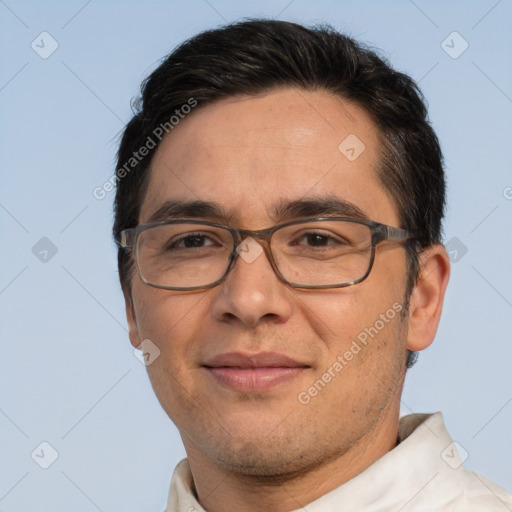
point(260, 234)
point(261, 237)
point(249, 245)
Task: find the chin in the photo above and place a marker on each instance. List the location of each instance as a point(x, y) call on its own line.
point(269, 459)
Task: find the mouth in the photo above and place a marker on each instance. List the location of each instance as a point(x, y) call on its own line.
point(253, 373)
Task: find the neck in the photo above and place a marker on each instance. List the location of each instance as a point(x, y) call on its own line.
point(221, 490)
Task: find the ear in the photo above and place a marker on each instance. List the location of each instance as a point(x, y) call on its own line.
point(132, 322)
point(426, 301)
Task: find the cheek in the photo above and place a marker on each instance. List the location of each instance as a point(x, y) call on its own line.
point(340, 315)
point(364, 351)
point(361, 324)
point(172, 321)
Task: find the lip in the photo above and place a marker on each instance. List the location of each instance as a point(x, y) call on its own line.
point(253, 372)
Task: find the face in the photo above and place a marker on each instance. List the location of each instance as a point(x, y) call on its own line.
point(259, 377)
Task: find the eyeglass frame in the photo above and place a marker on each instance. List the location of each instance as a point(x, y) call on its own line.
point(128, 239)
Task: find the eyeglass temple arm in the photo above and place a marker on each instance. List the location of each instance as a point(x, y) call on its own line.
point(391, 233)
point(126, 238)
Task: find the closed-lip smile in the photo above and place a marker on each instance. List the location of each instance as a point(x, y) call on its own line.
point(247, 373)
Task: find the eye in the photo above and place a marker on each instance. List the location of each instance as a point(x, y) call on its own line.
point(318, 240)
point(191, 240)
point(312, 239)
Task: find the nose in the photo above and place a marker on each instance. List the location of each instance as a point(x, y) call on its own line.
point(252, 292)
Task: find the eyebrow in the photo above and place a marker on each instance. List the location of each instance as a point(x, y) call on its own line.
point(176, 208)
point(318, 206)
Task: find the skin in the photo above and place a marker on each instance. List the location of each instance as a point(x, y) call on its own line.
point(266, 450)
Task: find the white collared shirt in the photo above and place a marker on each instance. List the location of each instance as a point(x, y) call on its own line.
point(423, 473)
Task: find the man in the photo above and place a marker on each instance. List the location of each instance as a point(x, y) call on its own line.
point(278, 211)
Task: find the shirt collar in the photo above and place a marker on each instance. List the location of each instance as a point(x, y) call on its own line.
point(424, 462)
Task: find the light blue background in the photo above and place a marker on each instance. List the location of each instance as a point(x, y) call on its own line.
point(68, 373)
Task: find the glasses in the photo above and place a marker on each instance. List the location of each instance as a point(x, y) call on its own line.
point(323, 252)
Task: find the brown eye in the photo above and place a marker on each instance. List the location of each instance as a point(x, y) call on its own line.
point(190, 241)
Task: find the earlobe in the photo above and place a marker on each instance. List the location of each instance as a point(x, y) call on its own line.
point(426, 302)
point(132, 323)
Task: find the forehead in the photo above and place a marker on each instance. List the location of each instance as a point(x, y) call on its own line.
point(249, 154)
